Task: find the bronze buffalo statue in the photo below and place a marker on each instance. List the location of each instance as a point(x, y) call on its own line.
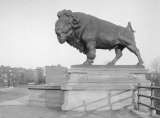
point(88, 33)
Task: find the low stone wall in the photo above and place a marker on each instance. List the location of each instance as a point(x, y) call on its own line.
point(57, 98)
point(48, 96)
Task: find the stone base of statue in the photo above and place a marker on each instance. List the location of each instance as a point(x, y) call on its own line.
point(101, 87)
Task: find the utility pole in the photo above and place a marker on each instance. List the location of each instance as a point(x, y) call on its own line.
point(2, 74)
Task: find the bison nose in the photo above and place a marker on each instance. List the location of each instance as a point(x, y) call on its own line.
point(58, 34)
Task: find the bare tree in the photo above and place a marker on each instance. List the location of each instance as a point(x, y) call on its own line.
point(155, 78)
point(155, 71)
point(155, 65)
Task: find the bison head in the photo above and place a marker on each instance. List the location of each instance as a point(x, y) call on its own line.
point(66, 24)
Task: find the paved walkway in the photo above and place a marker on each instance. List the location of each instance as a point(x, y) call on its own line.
point(19, 108)
point(42, 112)
point(18, 101)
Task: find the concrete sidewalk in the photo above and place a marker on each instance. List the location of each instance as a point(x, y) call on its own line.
point(145, 115)
point(20, 108)
point(18, 101)
point(28, 111)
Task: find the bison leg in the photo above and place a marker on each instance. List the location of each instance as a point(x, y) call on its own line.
point(132, 47)
point(91, 53)
point(135, 50)
point(118, 52)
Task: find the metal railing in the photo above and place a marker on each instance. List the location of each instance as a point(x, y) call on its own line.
point(152, 97)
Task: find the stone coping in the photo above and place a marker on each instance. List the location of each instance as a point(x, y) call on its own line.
point(44, 87)
point(70, 88)
point(104, 69)
point(106, 66)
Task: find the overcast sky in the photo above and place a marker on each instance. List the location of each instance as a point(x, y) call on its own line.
point(28, 39)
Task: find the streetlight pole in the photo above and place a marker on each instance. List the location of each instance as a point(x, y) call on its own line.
point(9, 78)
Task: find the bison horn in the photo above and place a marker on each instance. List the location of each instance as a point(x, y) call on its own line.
point(68, 13)
point(60, 13)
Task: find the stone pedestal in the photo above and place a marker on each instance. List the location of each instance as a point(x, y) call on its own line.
point(98, 87)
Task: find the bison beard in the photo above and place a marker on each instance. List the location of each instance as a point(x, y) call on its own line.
point(89, 33)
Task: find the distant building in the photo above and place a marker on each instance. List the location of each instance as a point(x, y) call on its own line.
point(30, 76)
point(8, 76)
point(55, 74)
point(1, 75)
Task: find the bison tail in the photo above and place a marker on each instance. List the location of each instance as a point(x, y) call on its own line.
point(130, 27)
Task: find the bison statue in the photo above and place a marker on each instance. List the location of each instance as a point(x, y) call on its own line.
point(88, 33)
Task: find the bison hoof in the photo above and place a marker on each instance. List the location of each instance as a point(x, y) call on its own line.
point(87, 63)
point(139, 63)
point(110, 64)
